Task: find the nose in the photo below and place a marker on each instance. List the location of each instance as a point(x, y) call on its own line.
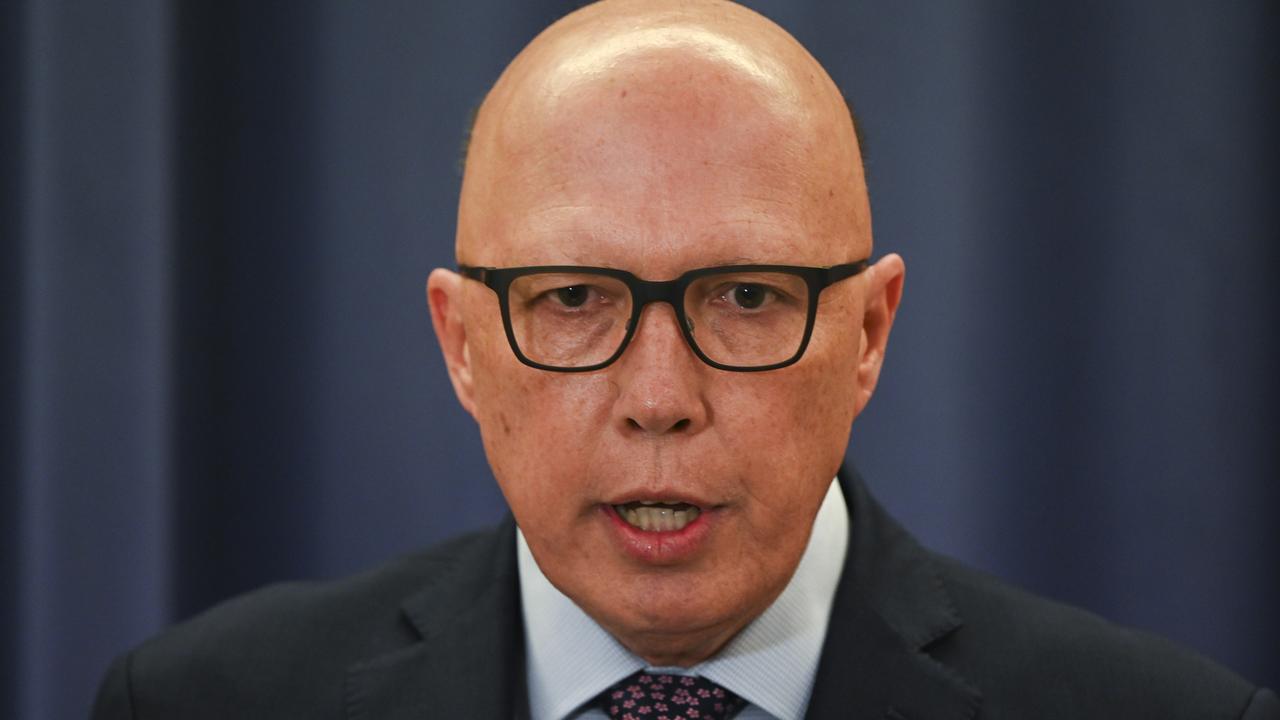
point(660, 379)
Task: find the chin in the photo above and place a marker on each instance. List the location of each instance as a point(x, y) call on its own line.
point(677, 605)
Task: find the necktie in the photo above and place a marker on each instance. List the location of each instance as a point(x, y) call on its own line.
point(649, 696)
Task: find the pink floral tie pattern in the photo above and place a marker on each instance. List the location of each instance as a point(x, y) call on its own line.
point(649, 696)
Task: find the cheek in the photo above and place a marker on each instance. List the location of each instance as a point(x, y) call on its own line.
point(537, 429)
point(794, 425)
point(834, 389)
point(833, 381)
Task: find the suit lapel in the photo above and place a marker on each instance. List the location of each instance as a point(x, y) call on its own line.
point(889, 607)
point(470, 662)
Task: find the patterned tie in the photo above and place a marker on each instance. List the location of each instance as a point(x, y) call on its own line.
point(648, 696)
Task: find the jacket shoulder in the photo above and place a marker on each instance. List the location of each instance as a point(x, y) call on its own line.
point(280, 651)
point(1029, 654)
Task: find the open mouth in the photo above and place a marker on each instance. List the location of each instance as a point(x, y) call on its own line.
point(658, 516)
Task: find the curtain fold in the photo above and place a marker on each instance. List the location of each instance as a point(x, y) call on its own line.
point(90, 362)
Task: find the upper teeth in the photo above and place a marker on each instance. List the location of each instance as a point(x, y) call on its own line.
point(658, 517)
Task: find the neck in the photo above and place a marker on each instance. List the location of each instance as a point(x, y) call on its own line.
point(684, 649)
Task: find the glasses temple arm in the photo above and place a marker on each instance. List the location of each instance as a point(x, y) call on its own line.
point(837, 273)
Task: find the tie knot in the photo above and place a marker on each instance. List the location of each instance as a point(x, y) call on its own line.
point(650, 696)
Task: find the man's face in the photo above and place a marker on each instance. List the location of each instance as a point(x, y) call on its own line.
point(649, 171)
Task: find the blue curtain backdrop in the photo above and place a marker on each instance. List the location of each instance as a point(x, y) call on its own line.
point(218, 371)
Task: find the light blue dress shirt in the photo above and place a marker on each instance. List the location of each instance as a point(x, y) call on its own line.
point(771, 663)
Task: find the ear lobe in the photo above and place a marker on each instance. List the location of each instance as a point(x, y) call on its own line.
point(883, 293)
point(444, 298)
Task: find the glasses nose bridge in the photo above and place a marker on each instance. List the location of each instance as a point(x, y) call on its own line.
point(645, 292)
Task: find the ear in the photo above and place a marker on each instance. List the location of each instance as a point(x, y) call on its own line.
point(883, 292)
point(444, 297)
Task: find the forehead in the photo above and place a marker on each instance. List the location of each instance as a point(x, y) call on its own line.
point(666, 162)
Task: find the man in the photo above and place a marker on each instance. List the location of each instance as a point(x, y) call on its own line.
point(664, 322)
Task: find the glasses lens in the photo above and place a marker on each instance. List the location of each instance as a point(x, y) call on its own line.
point(748, 319)
point(569, 320)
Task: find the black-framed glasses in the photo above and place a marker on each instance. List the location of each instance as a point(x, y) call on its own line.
point(746, 318)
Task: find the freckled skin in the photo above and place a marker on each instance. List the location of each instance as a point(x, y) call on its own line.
point(701, 135)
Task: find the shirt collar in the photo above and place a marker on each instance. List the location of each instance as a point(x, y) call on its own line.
point(771, 662)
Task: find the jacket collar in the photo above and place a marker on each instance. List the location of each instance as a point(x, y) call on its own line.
point(891, 605)
point(470, 661)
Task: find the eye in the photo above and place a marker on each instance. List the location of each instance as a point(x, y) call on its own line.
point(567, 294)
point(749, 296)
point(573, 295)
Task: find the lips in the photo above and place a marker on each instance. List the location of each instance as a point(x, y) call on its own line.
point(662, 532)
point(665, 516)
point(663, 526)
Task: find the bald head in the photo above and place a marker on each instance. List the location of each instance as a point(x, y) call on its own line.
point(654, 84)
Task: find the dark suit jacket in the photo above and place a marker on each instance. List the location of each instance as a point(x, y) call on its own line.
point(912, 635)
